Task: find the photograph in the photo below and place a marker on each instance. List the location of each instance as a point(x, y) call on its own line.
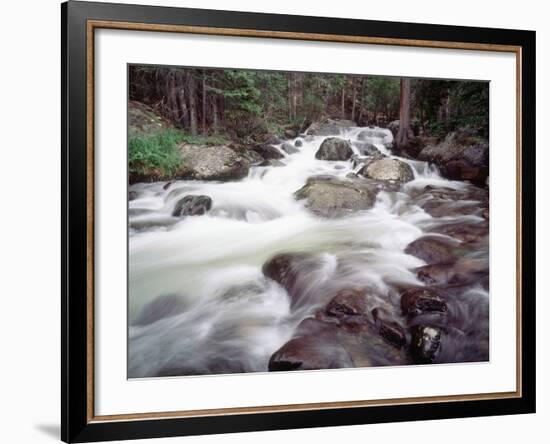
point(283, 221)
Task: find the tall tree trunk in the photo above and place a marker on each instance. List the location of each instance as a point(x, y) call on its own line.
point(343, 101)
point(215, 122)
point(362, 100)
point(191, 91)
point(203, 103)
point(354, 98)
point(403, 135)
point(289, 99)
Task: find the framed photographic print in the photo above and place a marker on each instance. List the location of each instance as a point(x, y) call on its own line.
point(275, 221)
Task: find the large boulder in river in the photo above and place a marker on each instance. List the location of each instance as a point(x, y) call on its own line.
point(192, 206)
point(460, 156)
point(334, 148)
point(388, 169)
point(333, 197)
point(432, 250)
point(219, 162)
point(329, 127)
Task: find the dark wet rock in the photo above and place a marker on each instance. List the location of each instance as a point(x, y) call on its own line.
point(329, 127)
point(431, 250)
point(420, 300)
point(460, 156)
point(388, 329)
point(132, 195)
point(334, 148)
point(298, 142)
point(414, 146)
point(167, 185)
point(393, 333)
point(332, 197)
point(366, 148)
point(160, 308)
point(312, 352)
point(292, 271)
point(289, 148)
point(425, 344)
point(192, 206)
point(212, 163)
point(461, 169)
point(268, 152)
point(348, 302)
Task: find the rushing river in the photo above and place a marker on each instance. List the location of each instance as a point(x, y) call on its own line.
point(198, 300)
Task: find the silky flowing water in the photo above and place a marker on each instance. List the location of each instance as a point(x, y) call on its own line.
point(198, 301)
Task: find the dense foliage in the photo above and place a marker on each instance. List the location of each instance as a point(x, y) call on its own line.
point(245, 102)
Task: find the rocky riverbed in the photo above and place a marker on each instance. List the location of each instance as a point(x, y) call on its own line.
point(324, 250)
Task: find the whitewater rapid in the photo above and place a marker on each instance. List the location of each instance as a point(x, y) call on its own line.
point(203, 274)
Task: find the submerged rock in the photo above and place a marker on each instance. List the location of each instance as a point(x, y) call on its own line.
point(298, 142)
point(310, 353)
point(348, 302)
point(160, 308)
point(293, 271)
point(425, 344)
point(289, 148)
point(334, 148)
point(218, 162)
point(366, 149)
point(332, 197)
point(431, 250)
point(192, 206)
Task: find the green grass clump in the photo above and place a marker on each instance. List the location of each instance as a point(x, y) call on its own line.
point(154, 154)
